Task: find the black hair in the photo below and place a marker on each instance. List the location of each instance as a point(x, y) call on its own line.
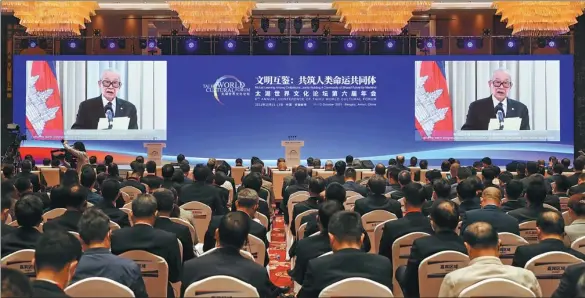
point(442, 188)
point(140, 159)
point(335, 192)
point(185, 167)
point(144, 205)
point(514, 189)
point(487, 161)
point(346, 227)
point(150, 167)
point(167, 171)
point(340, 167)
point(558, 168)
point(316, 185)
point(579, 163)
point(423, 164)
point(6, 201)
point(253, 181)
point(301, 174)
point(201, 172)
point(55, 249)
point(489, 173)
point(348, 159)
point(466, 189)
point(110, 189)
point(101, 168)
point(113, 170)
point(414, 194)
point(445, 166)
point(15, 283)
point(180, 157)
point(326, 211)
point(29, 211)
point(506, 177)
point(551, 222)
point(234, 228)
point(108, 159)
point(165, 200)
point(310, 162)
point(413, 161)
point(393, 172)
point(481, 235)
point(93, 159)
point(433, 175)
point(566, 162)
point(377, 185)
point(22, 184)
point(445, 214)
point(404, 177)
point(380, 169)
point(562, 183)
point(93, 225)
point(351, 173)
point(46, 161)
point(88, 177)
point(178, 177)
point(239, 161)
point(577, 204)
point(463, 173)
point(536, 193)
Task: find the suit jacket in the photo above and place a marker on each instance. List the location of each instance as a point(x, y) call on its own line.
point(510, 205)
point(66, 222)
point(91, 110)
point(527, 213)
point(554, 200)
point(21, 238)
point(353, 186)
point(227, 261)
point(34, 179)
point(493, 215)
point(482, 110)
point(42, 288)
point(335, 178)
point(482, 268)
point(116, 215)
point(394, 229)
point(526, 252)
point(223, 193)
point(310, 203)
point(342, 264)
point(568, 285)
point(100, 262)
point(134, 183)
point(426, 247)
point(182, 232)
point(305, 250)
point(6, 229)
point(204, 193)
point(313, 227)
point(574, 179)
point(256, 229)
point(468, 205)
point(576, 189)
point(154, 241)
point(289, 191)
point(575, 230)
point(377, 202)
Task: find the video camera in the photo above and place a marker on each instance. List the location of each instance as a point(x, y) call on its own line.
point(12, 153)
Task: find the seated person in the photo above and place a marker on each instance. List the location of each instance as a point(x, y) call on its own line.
point(350, 184)
point(577, 212)
point(491, 213)
point(316, 186)
point(535, 195)
point(111, 194)
point(15, 283)
point(29, 215)
point(376, 200)
point(513, 199)
point(165, 202)
point(75, 204)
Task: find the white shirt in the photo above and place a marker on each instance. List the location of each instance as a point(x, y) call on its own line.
point(105, 102)
point(495, 101)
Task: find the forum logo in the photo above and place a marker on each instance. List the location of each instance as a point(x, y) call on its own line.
point(226, 86)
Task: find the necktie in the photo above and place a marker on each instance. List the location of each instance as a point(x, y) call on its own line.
point(109, 107)
point(500, 106)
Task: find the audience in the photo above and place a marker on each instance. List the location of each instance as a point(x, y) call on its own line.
point(579, 187)
point(576, 229)
point(111, 194)
point(200, 191)
point(578, 165)
point(6, 205)
point(535, 195)
point(572, 282)
point(483, 248)
point(15, 284)
point(491, 213)
point(300, 184)
point(165, 203)
point(376, 199)
point(316, 186)
point(513, 199)
point(393, 185)
point(350, 182)
point(134, 178)
point(254, 181)
point(88, 180)
point(75, 204)
point(25, 172)
point(98, 261)
point(467, 194)
point(339, 176)
point(29, 215)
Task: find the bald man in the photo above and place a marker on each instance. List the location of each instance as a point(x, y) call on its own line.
point(482, 110)
point(490, 212)
point(91, 110)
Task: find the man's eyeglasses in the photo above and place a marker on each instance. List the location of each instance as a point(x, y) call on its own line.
point(114, 84)
point(506, 84)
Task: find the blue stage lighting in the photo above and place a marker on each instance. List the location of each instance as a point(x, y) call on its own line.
point(230, 45)
point(511, 43)
point(191, 44)
point(310, 45)
point(349, 45)
point(430, 44)
point(270, 45)
point(390, 43)
point(552, 43)
point(151, 44)
point(32, 43)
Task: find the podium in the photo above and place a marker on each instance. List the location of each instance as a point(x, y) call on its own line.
point(154, 152)
point(292, 152)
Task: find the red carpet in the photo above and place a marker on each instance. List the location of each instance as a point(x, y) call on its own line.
point(277, 251)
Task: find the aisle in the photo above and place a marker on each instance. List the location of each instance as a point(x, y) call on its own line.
point(277, 252)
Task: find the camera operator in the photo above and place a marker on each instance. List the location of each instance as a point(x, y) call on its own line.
point(78, 151)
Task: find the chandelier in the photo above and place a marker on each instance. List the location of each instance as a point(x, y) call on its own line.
point(539, 18)
point(388, 17)
point(213, 17)
point(52, 17)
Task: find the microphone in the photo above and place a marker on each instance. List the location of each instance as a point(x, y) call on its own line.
point(500, 115)
point(110, 116)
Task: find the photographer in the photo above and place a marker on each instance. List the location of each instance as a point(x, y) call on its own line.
point(78, 151)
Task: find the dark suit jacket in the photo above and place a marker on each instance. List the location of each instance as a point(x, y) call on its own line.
point(182, 232)
point(134, 183)
point(342, 264)
point(353, 186)
point(313, 227)
point(377, 202)
point(154, 241)
point(493, 215)
point(394, 229)
point(6, 229)
point(527, 213)
point(574, 179)
point(22, 238)
point(227, 261)
point(526, 252)
point(204, 193)
point(116, 215)
point(482, 110)
point(91, 110)
point(66, 222)
point(34, 179)
point(426, 247)
point(256, 229)
point(468, 205)
point(513, 205)
point(577, 189)
point(305, 250)
point(41, 288)
point(568, 285)
point(310, 203)
point(289, 191)
point(335, 178)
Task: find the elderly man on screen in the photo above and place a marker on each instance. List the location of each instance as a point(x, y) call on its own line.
point(91, 110)
point(482, 110)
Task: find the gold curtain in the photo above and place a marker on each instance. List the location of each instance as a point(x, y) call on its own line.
point(213, 17)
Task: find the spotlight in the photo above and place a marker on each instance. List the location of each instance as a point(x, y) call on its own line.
point(151, 45)
point(470, 44)
point(230, 45)
point(191, 45)
point(264, 24)
point(298, 24)
point(73, 44)
point(174, 32)
point(310, 45)
point(281, 25)
point(111, 44)
point(487, 32)
point(349, 45)
point(270, 45)
point(97, 32)
point(32, 43)
point(142, 43)
point(552, 43)
point(122, 43)
point(511, 43)
point(315, 24)
point(390, 43)
point(429, 44)
point(326, 32)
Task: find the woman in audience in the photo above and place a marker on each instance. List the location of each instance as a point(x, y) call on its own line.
point(78, 150)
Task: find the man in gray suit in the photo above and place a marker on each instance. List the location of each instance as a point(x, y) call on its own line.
point(483, 247)
point(577, 212)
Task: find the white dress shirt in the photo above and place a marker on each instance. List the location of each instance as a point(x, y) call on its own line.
point(105, 102)
point(495, 101)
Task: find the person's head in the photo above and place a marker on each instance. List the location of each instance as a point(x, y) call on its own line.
point(552, 160)
point(433, 175)
point(165, 201)
point(219, 178)
point(400, 159)
point(140, 159)
point(550, 224)
point(233, 230)
point(454, 169)
point(348, 159)
point(335, 192)
point(180, 158)
point(92, 160)
point(281, 165)
point(316, 186)
point(576, 206)
point(15, 284)
point(340, 167)
point(581, 178)
point(144, 209)
point(46, 161)
point(55, 163)
point(167, 171)
point(256, 168)
point(26, 166)
point(481, 240)
point(178, 177)
point(561, 184)
point(345, 230)
point(113, 170)
point(154, 183)
point(138, 170)
point(77, 197)
point(56, 256)
point(377, 185)
point(505, 178)
point(211, 163)
point(444, 215)
point(486, 161)
point(350, 174)
point(463, 173)
point(441, 189)
point(514, 189)
point(413, 161)
point(488, 173)
point(88, 177)
point(380, 169)
point(445, 166)
point(247, 201)
point(101, 168)
point(579, 163)
point(500, 84)
point(108, 159)
point(392, 173)
point(310, 162)
point(558, 168)
point(253, 181)
point(23, 185)
point(151, 167)
point(110, 84)
point(466, 189)
point(239, 162)
point(491, 196)
point(531, 168)
point(404, 178)
point(392, 162)
point(29, 211)
point(414, 196)
point(329, 165)
point(326, 211)
point(8, 171)
point(566, 162)
point(477, 165)
point(185, 168)
point(301, 174)
point(94, 228)
point(201, 172)
point(110, 190)
point(536, 193)
point(423, 164)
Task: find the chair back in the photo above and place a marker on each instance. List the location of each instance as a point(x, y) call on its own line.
point(350, 201)
point(456, 201)
point(378, 231)
point(402, 202)
point(262, 218)
point(528, 231)
point(237, 174)
point(128, 212)
point(300, 217)
point(292, 201)
point(356, 287)
point(98, 287)
point(325, 254)
point(496, 287)
point(114, 226)
point(579, 244)
point(128, 206)
point(373, 218)
point(564, 203)
point(458, 228)
point(188, 225)
point(351, 193)
point(433, 269)
point(22, 261)
point(547, 206)
point(201, 214)
point(125, 197)
point(154, 270)
point(301, 231)
point(510, 243)
point(51, 214)
point(567, 218)
point(324, 174)
point(367, 174)
point(257, 248)
point(220, 286)
point(132, 192)
point(13, 223)
point(548, 269)
point(400, 254)
point(278, 183)
point(52, 176)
